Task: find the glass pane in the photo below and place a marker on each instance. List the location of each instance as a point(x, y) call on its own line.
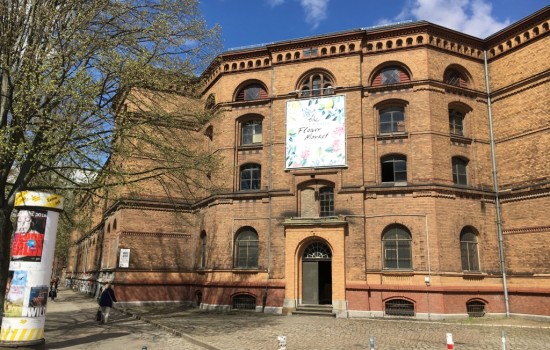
point(252, 93)
point(390, 76)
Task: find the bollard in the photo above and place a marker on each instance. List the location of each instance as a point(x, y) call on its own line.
point(503, 340)
point(372, 342)
point(281, 339)
point(450, 344)
point(144, 347)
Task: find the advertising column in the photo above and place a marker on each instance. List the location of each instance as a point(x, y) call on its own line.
point(31, 262)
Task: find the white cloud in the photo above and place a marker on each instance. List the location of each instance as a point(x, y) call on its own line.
point(315, 10)
point(468, 16)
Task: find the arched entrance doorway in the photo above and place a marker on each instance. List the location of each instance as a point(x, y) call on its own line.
point(317, 274)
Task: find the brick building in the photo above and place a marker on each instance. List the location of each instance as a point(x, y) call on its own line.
point(358, 171)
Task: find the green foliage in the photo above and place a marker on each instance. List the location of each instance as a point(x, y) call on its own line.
point(66, 68)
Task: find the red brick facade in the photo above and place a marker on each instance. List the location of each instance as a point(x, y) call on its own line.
point(189, 253)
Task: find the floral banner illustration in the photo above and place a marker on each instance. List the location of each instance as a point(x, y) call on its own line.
point(316, 132)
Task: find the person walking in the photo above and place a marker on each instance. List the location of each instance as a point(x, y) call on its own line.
point(53, 293)
point(106, 302)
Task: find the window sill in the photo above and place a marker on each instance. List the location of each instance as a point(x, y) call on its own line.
point(461, 139)
point(397, 273)
point(251, 146)
point(254, 270)
point(393, 136)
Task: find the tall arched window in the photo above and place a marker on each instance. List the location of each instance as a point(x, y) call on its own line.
point(396, 247)
point(460, 171)
point(246, 249)
point(468, 250)
point(250, 177)
point(456, 122)
point(316, 84)
point(203, 250)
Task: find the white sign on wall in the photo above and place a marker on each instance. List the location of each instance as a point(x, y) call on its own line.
point(124, 260)
point(316, 132)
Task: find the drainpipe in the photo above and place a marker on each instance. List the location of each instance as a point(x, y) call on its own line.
point(269, 189)
point(495, 188)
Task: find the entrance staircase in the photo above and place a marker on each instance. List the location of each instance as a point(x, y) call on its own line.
point(314, 310)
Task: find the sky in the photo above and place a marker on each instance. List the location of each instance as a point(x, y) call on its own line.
point(256, 22)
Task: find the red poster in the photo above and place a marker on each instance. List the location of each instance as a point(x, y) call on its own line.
point(28, 240)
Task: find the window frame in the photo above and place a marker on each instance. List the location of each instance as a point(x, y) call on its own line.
point(203, 242)
point(246, 242)
point(395, 245)
point(460, 171)
point(469, 251)
point(323, 199)
point(394, 160)
point(255, 178)
point(397, 70)
point(316, 84)
point(456, 122)
point(396, 125)
point(243, 93)
point(256, 124)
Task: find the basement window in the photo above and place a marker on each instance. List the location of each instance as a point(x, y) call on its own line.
point(475, 308)
point(399, 307)
point(244, 302)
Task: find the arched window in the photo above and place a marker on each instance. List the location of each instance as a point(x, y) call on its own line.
point(316, 84)
point(468, 250)
point(392, 120)
point(460, 171)
point(396, 246)
point(394, 168)
point(251, 132)
point(250, 177)
point(246, 249)
point(390, 75)
point(203, 250)
point(251, 92)
point(456, 122)
point(114, 224)
point(454, 77)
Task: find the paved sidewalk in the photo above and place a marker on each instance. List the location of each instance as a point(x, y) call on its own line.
point(70, 325)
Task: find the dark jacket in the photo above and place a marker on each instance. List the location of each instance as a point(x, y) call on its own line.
point(107, 297)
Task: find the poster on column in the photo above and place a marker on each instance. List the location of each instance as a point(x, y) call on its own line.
point(15, 293)
point(28, 240)
point(316, 132)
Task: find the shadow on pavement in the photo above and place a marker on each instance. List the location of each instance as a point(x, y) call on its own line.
point(83, 340)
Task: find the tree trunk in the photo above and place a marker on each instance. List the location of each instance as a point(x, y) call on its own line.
point(6, 229)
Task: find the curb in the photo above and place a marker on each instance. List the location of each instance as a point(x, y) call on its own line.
point(173, 331)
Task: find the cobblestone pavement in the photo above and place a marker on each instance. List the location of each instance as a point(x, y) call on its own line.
point(70, 325)
point(254, 331)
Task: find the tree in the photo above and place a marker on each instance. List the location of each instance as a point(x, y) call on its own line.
point(65, 67)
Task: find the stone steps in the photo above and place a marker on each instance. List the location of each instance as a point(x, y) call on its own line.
point(314, 310)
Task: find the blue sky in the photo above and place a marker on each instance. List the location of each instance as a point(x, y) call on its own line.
point(251, 22)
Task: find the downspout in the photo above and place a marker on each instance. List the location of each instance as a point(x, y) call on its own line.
point(270, 188)
point(495, 188)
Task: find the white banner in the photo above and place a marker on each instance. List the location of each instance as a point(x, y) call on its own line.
point(124, 260)
point(316, 132)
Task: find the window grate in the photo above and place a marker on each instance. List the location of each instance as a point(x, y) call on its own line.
point(475, 308)
point(399, 307)
point(244, 302)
